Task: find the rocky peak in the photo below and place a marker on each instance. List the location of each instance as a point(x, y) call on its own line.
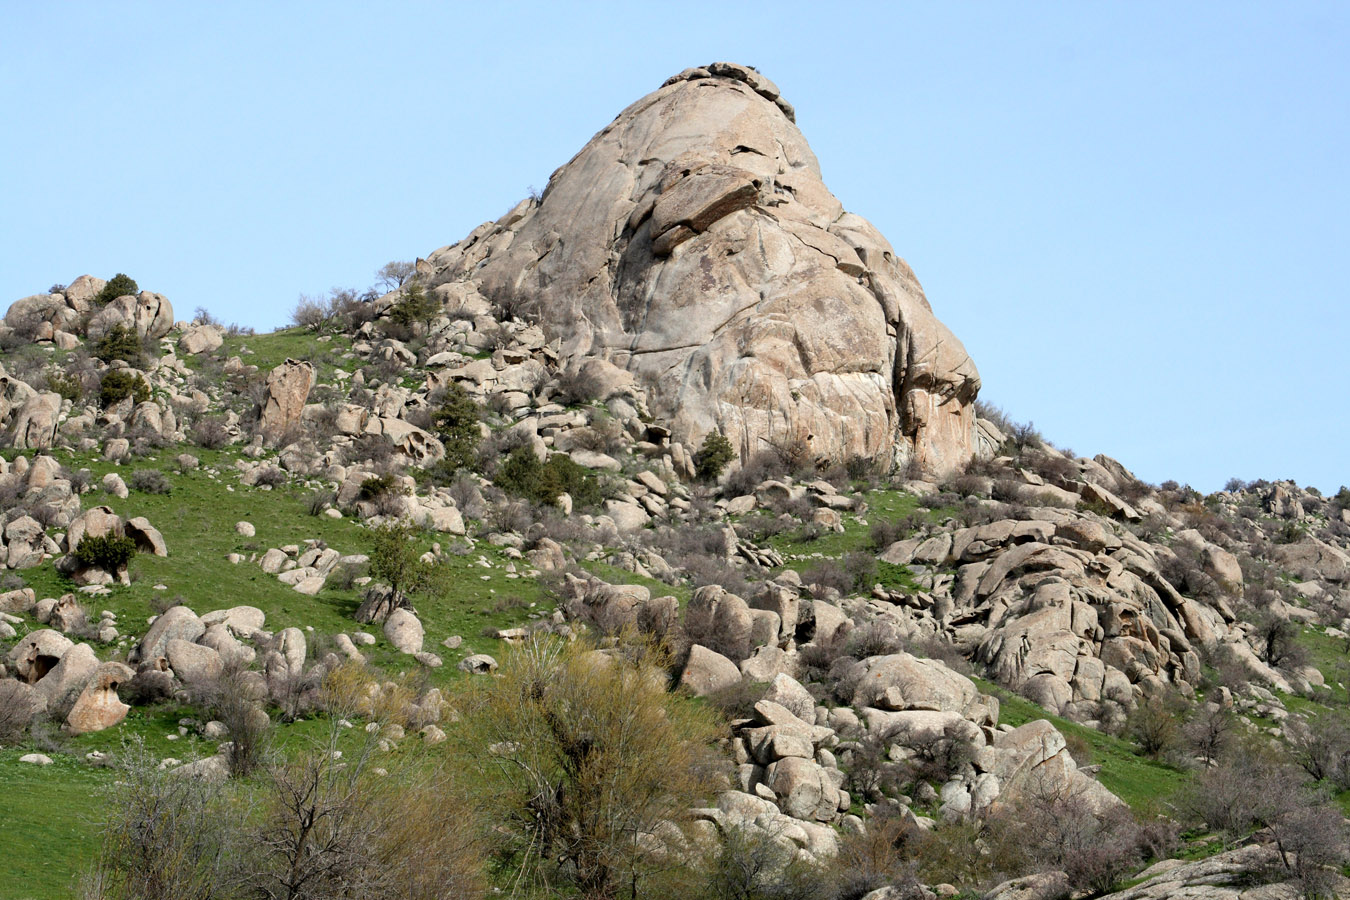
point(693, 243)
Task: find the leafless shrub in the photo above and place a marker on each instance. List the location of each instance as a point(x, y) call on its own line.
point(1155, 724)
point(934, 647)
point(1209, 733)
point(150, 481)
point(17, 709)
point(880, 637)
point(578, 387)
point(763, 466)
point(871, 773)
point(318, 501)
point(271, 476)
point(167, 837)
point(373, 448)
point(1321, 747)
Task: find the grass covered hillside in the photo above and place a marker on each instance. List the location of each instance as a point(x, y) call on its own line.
point(398, 602)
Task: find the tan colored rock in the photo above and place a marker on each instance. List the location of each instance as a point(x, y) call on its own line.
point(98, 706)
point(404, 631)
point(904, 682)
point(200, 339)
point(288, 387)
point(193, 663)
point(693, 243)
point(148, 313)
point(34, 425)
point(707, 672)
point(97, 521)
point(37, 654)
point(63, 683)
point(241, 620)
point(175, 623)
point(147, 537)
point(1033, 760)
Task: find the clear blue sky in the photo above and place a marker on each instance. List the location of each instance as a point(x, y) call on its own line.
point(1134, 214)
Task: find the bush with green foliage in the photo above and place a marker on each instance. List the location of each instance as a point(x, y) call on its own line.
point(713, 456)
point(121, 343)
point(522, 474)
point(396, 559)
point(455, 420)
point(415, 306)
point(108, 552)
point(68, 385)
point(119, 384)
point(120, 285)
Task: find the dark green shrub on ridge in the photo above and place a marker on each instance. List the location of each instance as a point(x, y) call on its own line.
point(525, 476)
point(120, 384)
point(120, 343)
point(120, 285)
point(108, 552)
point(455, 420)
point(415, 306)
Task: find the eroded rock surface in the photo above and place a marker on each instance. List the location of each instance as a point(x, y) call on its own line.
point(693, 243)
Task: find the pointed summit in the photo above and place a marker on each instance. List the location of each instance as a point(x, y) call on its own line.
point(693, 243)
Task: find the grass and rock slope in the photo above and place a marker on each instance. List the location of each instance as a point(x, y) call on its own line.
point(898, 666)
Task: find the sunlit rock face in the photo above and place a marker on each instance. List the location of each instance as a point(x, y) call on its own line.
point(693, 242)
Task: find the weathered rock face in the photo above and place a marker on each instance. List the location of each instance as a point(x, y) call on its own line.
point(288, 387)
point(693, 243)
point(148, 313)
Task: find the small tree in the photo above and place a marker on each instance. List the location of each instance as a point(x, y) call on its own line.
point(1155, 724)
point(109, 552)
point(455, 419)
point(522, 474)
point(119, 384)
point(579, 757)
point(396, 560)
point(391, 275)
point(713, 456)
point(415, 306)
point(119, 285)
point(121, 343)
point(1277, 640)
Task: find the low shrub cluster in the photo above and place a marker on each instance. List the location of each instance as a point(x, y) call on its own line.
point(522, 474)
point(119, 384)
point(108, 552)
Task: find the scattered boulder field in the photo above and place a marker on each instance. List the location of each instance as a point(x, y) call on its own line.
point(878, 560)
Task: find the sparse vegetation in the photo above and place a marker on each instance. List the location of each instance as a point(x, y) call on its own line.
point(119, 285)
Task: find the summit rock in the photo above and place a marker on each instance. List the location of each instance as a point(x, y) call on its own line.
point(694, 243)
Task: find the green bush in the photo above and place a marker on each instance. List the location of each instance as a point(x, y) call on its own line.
point(69, 386)
point(522, 474)
point(120, 343)
point(377, 486)
point(415, 306)
point(108, 552)
point(455, 420)
point(713, 456)
point(119, 286)
point(120, 384)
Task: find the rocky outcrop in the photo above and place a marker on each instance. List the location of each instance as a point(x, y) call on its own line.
point(693, 243)
point(288, 387)
point(149, 314)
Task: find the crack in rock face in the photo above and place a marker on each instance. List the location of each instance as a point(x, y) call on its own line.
point(693, 243)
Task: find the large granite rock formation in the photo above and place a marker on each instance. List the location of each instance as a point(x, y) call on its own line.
point(693, 242)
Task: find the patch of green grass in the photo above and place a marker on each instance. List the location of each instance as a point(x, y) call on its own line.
point(615, 575)
point(1139, 781)
point(197, 519)
point(50, 831)
point(266, 351)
